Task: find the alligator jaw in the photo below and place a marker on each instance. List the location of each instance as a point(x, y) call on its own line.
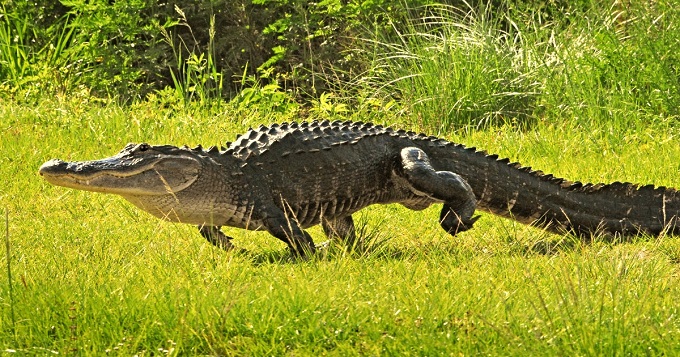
point(84, 176)
point(124, 176)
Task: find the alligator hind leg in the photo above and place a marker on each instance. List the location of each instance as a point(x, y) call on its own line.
point(342, 228)
point(216, 237)
point(453, 190)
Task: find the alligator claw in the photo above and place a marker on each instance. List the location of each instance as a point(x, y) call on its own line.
point(454, 224)
point(216, 237)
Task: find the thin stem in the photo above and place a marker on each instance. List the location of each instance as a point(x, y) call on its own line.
point(9, 272)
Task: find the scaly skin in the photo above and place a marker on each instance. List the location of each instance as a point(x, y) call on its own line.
point(285, 178)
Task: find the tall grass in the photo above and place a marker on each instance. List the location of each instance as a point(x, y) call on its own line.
point(53, 67)
point(14, 57)
point(454, 67)
point(482, 66)
point(618, 64)
point(196, 78)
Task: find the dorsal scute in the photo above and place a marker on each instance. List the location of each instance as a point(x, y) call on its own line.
point(286, 138)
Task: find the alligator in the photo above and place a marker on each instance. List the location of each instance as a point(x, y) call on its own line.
point(287, 177)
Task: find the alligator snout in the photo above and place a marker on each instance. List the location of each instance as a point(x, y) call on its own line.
point(53, 167)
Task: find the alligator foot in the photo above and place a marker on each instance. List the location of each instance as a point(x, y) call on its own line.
point(452, 222)
point(216, 237)
point(457, 214)
point(453, 190)
point(341, 228)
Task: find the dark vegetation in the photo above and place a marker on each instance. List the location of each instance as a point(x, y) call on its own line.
point(495, 62)
point(129, 48)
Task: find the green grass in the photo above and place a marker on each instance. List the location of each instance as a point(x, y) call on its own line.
point(93, 275)
point(594, 66)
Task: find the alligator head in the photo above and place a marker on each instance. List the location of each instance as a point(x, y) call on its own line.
point(138, 169)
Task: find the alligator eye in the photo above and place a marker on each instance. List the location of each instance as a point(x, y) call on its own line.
point(144, 147)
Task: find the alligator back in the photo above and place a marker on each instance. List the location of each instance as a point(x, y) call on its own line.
point(325, 169)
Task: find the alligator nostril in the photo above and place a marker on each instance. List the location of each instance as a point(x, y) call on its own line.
point(51, 166)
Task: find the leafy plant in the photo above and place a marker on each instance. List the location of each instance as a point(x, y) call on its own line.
point(195, 78)
point(269, 98)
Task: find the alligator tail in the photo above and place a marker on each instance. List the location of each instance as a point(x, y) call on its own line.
point(532, 197)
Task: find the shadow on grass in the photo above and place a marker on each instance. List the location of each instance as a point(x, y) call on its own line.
point(335, 250)
point(373, 244)
point(370, 243)
point(550, 244)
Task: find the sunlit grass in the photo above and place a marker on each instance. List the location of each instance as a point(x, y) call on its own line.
point(92, 274)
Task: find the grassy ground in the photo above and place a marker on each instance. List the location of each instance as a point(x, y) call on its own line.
point(93, 274)
point(591, 98)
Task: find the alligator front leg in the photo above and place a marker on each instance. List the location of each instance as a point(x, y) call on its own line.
point(286, 229)
point(216, 237)
point(459, 200)
point(342, 228)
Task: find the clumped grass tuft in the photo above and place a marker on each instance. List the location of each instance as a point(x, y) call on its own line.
point(454, 68)
point(477, 67)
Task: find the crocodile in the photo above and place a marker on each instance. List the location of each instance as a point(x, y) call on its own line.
point(286, 177)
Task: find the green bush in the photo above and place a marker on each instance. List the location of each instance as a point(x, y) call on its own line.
point(99, 47)
point(127, 48)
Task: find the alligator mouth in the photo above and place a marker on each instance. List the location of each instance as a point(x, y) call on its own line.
point(101, 176)
point(81, 180)
point(90, 170)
